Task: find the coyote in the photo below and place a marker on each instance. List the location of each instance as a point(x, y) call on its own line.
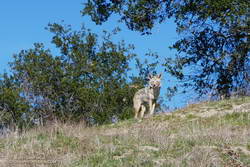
point(147, 95)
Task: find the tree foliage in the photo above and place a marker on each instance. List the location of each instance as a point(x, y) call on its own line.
point(213, 50)
point(88, 80)
point(12, 105)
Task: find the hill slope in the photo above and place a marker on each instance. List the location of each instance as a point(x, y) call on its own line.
point(205, 134)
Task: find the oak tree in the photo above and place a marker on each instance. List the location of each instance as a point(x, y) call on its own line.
point(213, 49)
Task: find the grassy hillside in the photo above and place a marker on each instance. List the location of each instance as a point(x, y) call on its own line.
point(205, 134)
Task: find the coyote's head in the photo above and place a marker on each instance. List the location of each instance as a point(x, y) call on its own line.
point(154, 81)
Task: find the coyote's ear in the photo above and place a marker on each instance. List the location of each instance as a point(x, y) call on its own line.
point(150, 76)
point(160, 75)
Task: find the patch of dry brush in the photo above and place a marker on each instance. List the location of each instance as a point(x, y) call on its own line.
point(163, 140)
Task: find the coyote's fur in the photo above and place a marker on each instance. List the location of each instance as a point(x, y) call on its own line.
point(147, 96)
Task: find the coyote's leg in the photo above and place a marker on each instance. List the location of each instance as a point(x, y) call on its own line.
point(150, 103)
point(137, 106)
point(152, 109)
point(143, 109)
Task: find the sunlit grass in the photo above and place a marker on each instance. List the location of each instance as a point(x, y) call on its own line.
point(178, 139)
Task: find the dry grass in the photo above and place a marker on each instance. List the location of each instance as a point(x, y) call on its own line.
point(174, 139)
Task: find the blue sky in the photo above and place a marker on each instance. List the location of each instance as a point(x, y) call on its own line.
point(23, 23)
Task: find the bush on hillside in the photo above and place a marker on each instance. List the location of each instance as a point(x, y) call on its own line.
point(88, 80)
